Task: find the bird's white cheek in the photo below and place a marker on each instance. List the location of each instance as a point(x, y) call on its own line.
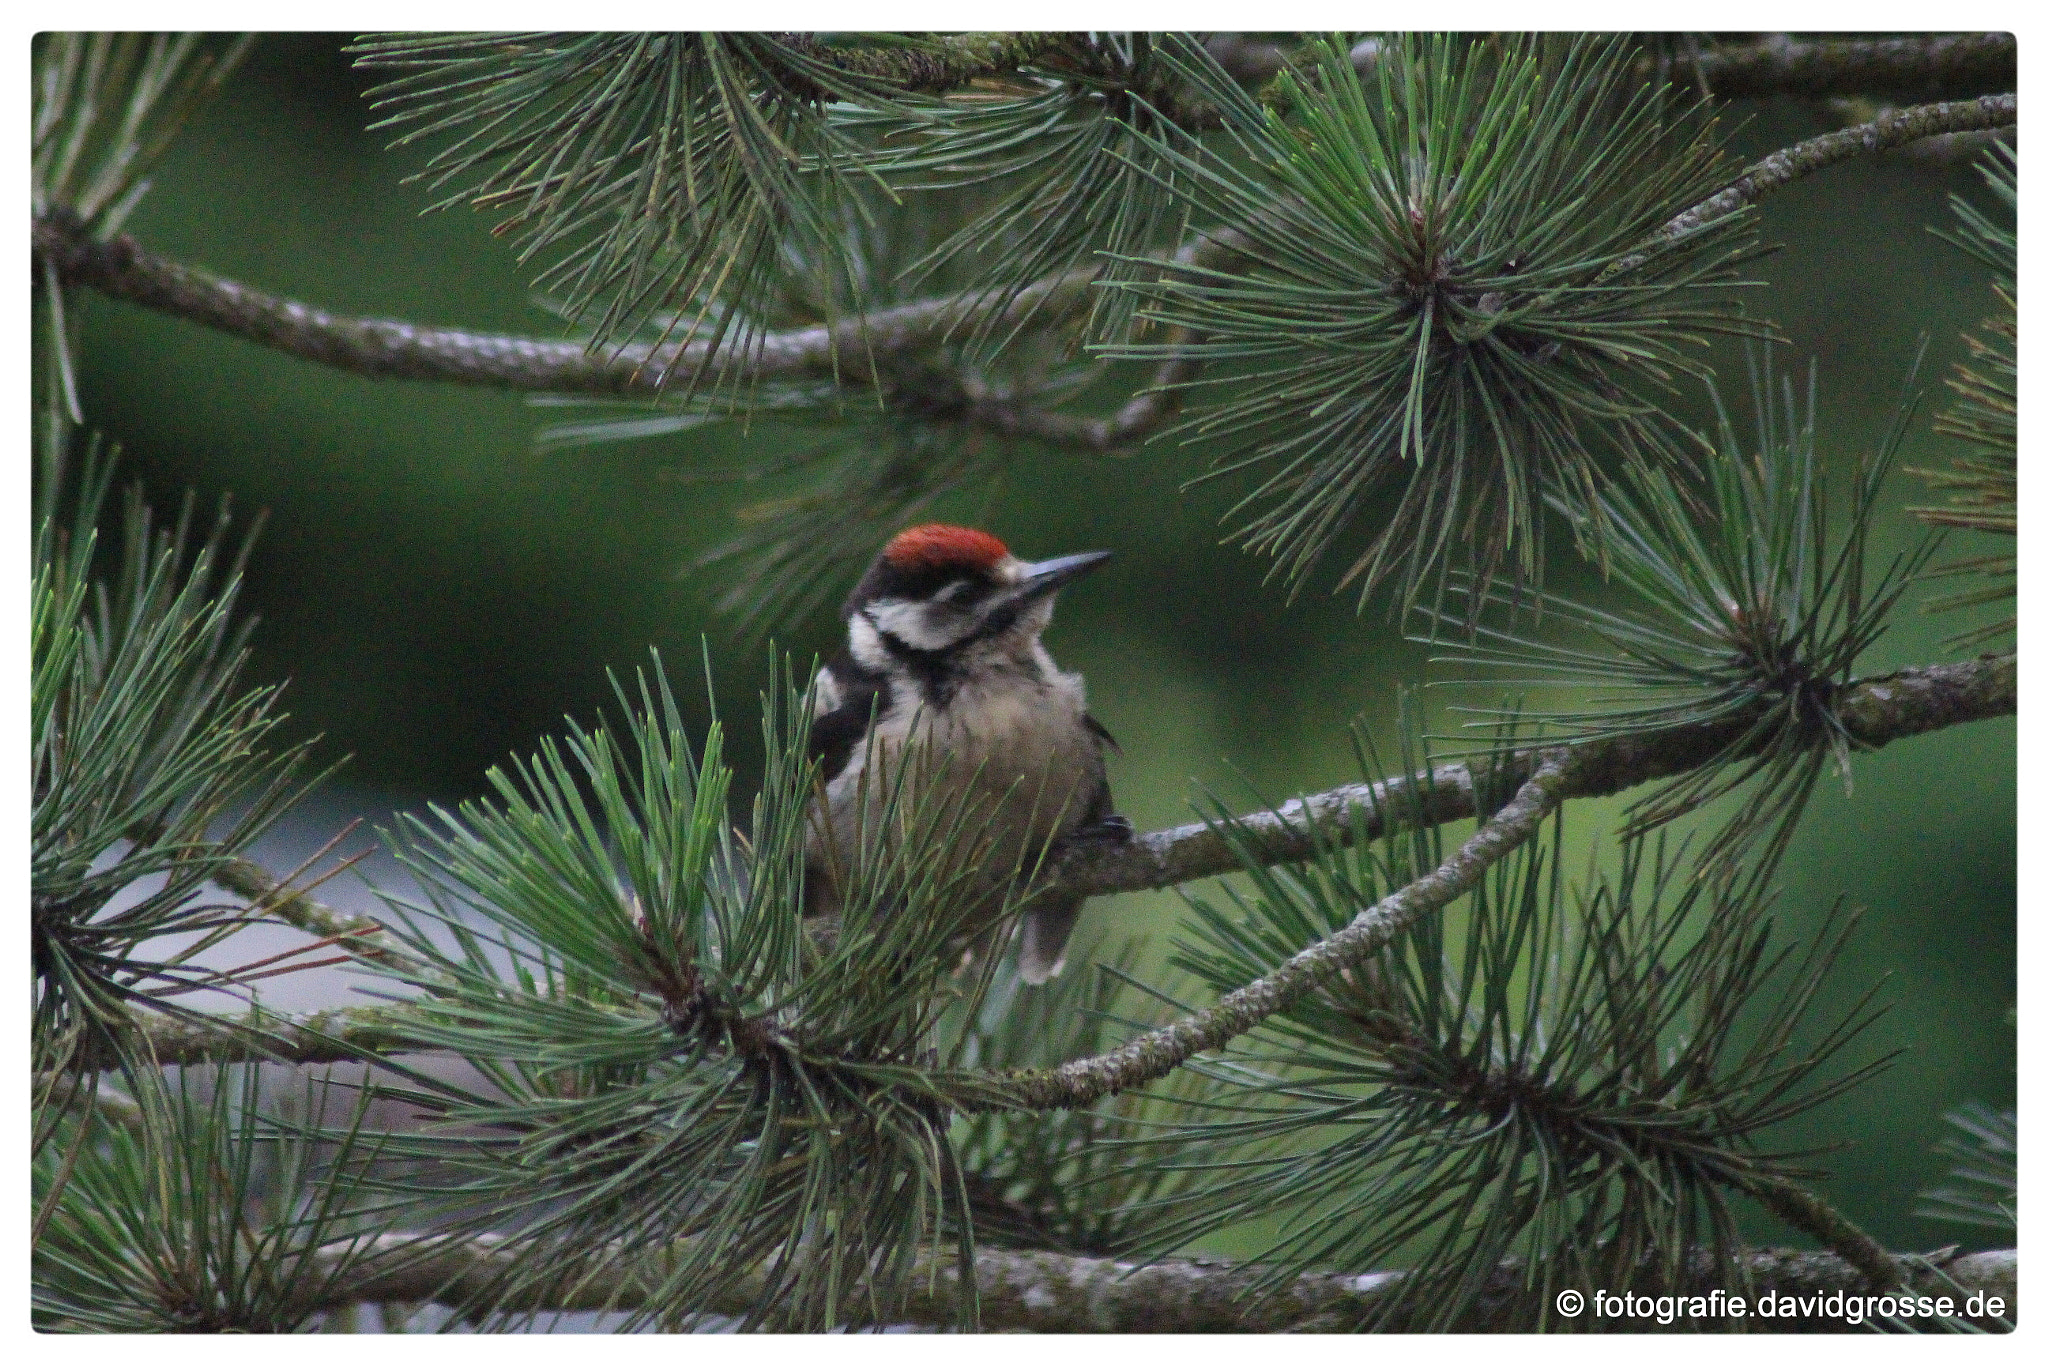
point(864, 642)
point(917, 624)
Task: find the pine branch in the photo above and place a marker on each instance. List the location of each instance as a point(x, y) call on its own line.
point(942, 63)
point(1801, 1208)
point(384, 348)
point(1926, 65)
point(1044, 1291)
point(1154, 405)
point(1146, 412)
point(391, 349)
point(1249, 61)
point(338, 1035)
point(1894, 128)
point(1152, 1055)
point(359, 935)
point(1874, 711)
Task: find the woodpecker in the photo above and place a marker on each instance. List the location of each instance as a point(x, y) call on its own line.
point(943, 667)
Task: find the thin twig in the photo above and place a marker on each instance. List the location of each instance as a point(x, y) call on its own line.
point(1875, 711)
point(1077, 1084)
point(1895, 128)
point(362, 935)
point(1151, 408)
point(1803, 1209)
point(384, 348)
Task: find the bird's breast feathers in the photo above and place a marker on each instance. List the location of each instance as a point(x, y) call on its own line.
point(1015, 734)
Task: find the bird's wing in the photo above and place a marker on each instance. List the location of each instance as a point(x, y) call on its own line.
point(1049, 919)
point(1100, 805)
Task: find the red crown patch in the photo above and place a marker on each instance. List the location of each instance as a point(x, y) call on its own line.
point(944, 547)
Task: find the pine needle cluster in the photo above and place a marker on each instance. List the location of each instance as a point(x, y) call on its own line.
point(1427, 285)
point(202, 1209)
point(1444, 282)
point(661, 172)
point(1983, 486)
point(150, 771)
point(669, 1060)
point(1076, 161)
point(1560, 1084)
point(1747, 604)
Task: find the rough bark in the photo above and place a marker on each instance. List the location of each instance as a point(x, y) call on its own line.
point(1876, 711)
point(385, 348)
point(1042, 1291)
point(1894, 128)
point(1923, 66)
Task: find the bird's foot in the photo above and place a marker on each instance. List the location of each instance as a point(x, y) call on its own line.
point(1111, 829)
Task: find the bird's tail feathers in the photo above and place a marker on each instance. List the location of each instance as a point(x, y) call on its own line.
point(1044, 948)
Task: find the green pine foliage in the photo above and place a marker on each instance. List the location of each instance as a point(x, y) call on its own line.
point(1443, 277)
point(201, 1208)
point(1749, 603)
point(150, 771)
point(657, 172)
point(1983, 1186)
point(1079, 161)
point(1431, 294)
point(1983, 485)
point(671, 1061)
point(1561, 1082)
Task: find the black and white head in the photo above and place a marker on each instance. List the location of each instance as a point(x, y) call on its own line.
point(939, 598)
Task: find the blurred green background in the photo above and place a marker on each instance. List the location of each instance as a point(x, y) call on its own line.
point(440, 594)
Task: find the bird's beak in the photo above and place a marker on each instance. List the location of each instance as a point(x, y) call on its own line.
point(1048, 576)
